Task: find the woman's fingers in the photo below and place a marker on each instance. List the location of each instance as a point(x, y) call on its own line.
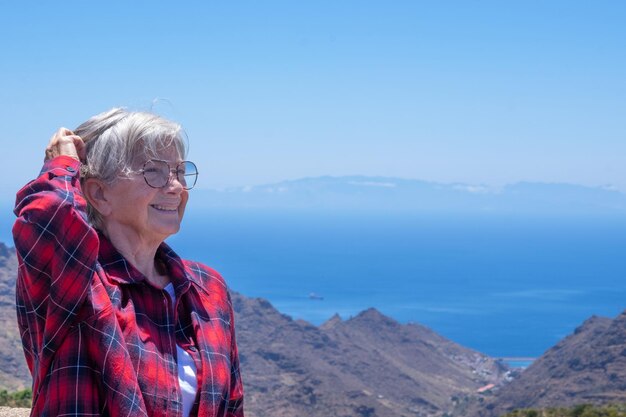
point(65, 142)
point(80, 148)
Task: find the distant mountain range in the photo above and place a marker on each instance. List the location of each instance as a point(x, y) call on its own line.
point(370, 365)
point(385, 193)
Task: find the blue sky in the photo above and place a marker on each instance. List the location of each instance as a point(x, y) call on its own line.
point(488, 92)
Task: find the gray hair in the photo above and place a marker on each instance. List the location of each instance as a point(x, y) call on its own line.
point(115, 138)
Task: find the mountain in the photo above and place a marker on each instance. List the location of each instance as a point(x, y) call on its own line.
point(14, 374)
point(368, 365)
point(588, 366)
point(385, 193)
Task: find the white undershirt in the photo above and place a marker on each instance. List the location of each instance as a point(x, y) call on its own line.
point(187, 378)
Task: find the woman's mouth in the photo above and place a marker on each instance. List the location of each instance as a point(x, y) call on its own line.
point(164, 208)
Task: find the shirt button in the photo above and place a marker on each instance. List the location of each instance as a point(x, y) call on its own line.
point(70, 169)
point(193, 348)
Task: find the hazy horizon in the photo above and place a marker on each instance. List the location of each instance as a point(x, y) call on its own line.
point(490, 186)
point(8, 193)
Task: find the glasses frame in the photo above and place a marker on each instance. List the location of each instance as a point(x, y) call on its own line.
point(172, 172)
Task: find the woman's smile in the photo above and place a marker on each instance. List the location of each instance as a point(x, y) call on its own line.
point(165, 208)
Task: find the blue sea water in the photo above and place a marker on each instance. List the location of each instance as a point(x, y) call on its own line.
point(506, 286)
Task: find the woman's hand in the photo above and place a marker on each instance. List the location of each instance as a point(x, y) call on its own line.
point(65, 142)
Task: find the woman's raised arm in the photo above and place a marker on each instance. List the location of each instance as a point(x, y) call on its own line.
point(57, 250)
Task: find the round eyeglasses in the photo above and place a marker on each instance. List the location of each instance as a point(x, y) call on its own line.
point(158, 173)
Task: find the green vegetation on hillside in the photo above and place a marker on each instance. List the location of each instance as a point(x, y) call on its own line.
point(582, 410)
point(16, 399)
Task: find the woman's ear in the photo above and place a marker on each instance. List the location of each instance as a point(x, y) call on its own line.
point(94, 192)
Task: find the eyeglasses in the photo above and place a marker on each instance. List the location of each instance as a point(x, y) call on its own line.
point(158, 173)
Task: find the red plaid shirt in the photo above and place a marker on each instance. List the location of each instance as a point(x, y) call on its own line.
point(98, 338)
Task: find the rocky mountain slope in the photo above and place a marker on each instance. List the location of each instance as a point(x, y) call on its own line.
point(368, 365)
point(14, 374)
point(588, 366)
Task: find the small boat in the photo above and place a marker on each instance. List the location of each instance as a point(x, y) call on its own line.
point(314, 296)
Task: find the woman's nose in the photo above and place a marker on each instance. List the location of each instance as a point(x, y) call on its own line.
point(173, 182)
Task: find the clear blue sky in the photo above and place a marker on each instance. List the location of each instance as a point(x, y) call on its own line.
point(489, 92)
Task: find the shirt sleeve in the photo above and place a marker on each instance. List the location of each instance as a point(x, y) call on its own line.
point(235, 404)
point(57, 251)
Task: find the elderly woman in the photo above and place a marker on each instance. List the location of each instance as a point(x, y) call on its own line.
point(113, 321)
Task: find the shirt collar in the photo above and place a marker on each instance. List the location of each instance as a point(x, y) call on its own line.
point(123, 272)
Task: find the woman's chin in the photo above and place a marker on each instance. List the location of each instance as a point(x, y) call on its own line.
point(164, 230)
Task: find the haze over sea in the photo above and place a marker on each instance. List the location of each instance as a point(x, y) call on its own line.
point(507, 286)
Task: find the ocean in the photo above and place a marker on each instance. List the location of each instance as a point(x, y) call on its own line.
point(509, 287)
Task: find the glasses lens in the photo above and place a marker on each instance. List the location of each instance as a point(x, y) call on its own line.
point(187, 174)
point(156, 173)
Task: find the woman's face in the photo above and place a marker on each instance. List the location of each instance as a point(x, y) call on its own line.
point(150, 214)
